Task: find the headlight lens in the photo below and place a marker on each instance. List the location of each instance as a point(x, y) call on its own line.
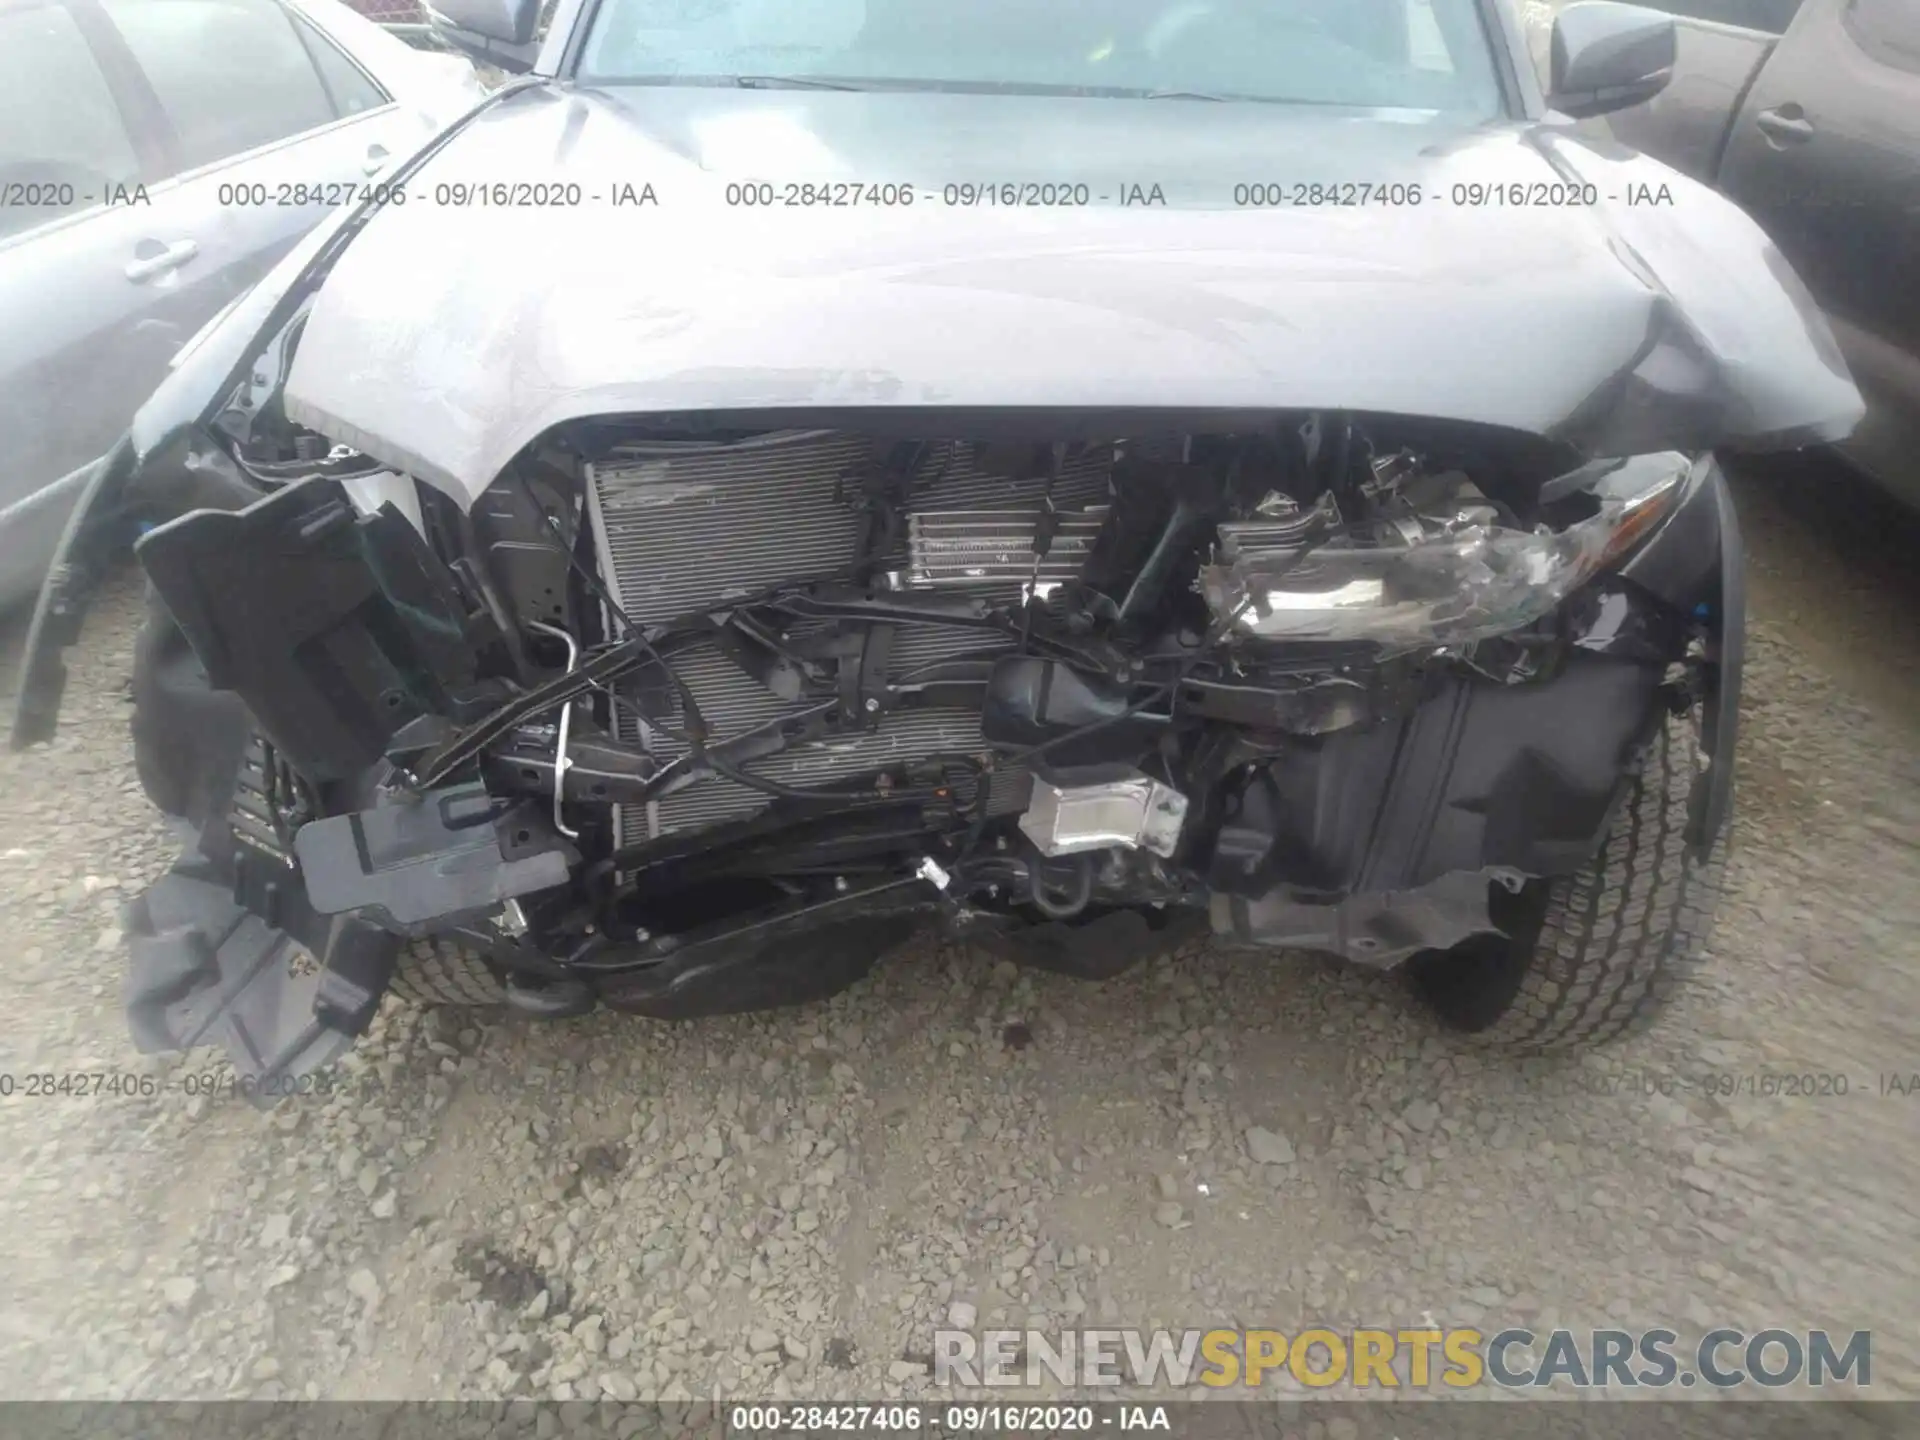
point(1471, 583)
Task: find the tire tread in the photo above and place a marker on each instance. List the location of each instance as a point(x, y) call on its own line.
point(1619, 937)
point(434, 971)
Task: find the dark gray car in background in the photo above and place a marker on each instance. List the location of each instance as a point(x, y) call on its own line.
point(1084, 475)
point(1807, 114)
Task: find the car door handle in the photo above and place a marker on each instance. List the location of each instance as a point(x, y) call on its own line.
point(376, 159)
point(169, 257)
point(1786, 126)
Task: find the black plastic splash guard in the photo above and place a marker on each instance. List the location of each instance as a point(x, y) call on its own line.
point(456, 851)
point(336, 628)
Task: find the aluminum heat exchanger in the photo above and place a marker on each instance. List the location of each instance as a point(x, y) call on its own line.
point(684, 526)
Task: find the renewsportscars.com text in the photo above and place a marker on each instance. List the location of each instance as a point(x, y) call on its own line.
point(1382, 1359)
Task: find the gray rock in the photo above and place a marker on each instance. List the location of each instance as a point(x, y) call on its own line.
point(282, 1275)
point(1268, 1147)
point(180, 1291)
point(618, 1385)
point(362, 1285)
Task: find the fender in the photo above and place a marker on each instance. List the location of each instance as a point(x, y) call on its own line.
point(1696, 562)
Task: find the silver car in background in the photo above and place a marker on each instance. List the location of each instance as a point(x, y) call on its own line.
point(156, 158)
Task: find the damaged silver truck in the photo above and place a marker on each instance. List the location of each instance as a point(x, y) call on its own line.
point(1088, 476)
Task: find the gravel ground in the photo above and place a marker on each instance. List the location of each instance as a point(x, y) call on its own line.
point(787, 1204)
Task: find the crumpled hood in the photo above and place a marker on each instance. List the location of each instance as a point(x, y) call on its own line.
point(449, 335)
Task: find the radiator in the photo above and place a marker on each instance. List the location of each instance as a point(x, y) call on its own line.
point(682, 525)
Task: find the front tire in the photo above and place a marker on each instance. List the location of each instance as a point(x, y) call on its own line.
point(434, 972)
point(1591, 956)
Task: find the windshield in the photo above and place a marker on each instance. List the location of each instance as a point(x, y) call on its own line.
point(1426, 54)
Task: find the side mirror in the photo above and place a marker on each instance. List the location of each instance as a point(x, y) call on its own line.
point(1607, 56)
point(499, 32)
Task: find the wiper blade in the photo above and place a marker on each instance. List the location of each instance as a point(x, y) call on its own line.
point(791, 82)
point(1237, 99)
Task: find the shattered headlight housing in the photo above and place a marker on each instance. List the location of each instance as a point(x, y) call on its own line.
point(1456, 577)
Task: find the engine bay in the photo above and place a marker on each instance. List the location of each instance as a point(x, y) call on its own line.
point(678, 686)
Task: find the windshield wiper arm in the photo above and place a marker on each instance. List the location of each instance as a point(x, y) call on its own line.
point(1236, 99)
point(790, 82)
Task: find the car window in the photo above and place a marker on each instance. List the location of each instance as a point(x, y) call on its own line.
point(351, 89)
point(1888, 30)
point(62, 140)
point(1424, 54)
point(231, 74)
point(1771, 16)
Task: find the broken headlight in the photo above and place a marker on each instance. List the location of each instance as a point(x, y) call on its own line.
point(1438, 567)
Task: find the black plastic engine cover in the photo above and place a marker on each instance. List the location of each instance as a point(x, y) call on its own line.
point(1478, 775)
